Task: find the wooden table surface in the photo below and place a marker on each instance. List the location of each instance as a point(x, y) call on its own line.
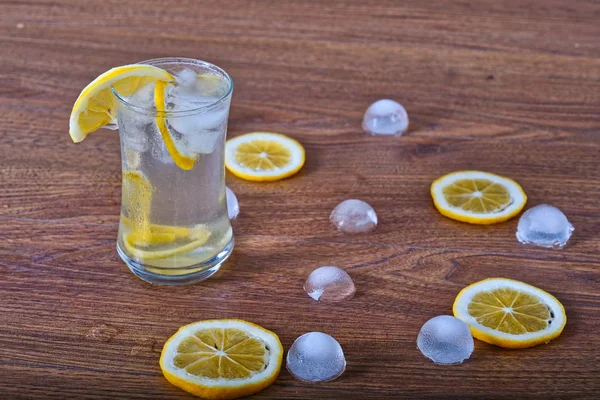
point(507, 86)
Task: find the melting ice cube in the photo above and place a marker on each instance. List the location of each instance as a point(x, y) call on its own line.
point(316, 357)
point(544, 226)
point(329, 284)
point(445, 340)
point(354, 216)
point(385, 117)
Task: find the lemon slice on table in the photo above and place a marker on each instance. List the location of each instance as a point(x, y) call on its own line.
point(96, 104)
point(183, 161)
point(477, 197)
point(263, 156)
point(222, 359)
point(510, 313)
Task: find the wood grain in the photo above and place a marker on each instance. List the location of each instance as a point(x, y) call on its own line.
point(507, 86)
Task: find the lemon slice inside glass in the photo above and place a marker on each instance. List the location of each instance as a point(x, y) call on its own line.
point(145, 241)
point(183, 161)
point(144, 248)
point(137, 201)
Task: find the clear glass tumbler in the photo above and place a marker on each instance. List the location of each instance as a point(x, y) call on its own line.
point(174, 227)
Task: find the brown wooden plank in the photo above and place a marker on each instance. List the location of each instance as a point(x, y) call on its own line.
point(393, 174)
point(105, 320)
point(506, 86)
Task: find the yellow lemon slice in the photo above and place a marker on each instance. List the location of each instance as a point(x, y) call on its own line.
point(137, 201)
point(222, 359)
point(263, 156)
point(159, 234)
point(145, 241)
point(477, 197)
point(96, 104)
point(183, 161)
point(510, 313)
point(143, 248)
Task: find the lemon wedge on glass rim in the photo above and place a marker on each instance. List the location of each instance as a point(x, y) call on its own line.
point(510, 313)
point(95, 107)
point(477, 197)
point(222, 359)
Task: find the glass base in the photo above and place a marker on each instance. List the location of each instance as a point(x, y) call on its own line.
point(201, 272)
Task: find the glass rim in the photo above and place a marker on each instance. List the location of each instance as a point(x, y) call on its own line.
point(157, 62)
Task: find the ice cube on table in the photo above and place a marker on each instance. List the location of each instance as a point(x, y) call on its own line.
point(329, 284)
point(233, 207)
point(445, 340)
point(353, 216)
point(544, 226)
point(385, 117)
point(316, 357)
